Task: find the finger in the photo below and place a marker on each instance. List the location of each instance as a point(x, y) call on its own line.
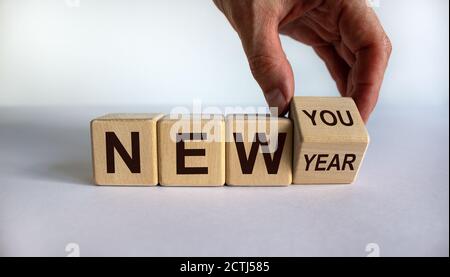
point(302, 31)
point(337, 66)
point(335, 55)
point(362, 33)
point(368, 72)
point(268, 62)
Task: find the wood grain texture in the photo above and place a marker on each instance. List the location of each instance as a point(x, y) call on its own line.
point(330, 140)
point(190, 160)
point(122, 126)
point(252, 162)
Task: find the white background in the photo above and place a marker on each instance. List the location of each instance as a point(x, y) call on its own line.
point(108, 52)
point(72, 64)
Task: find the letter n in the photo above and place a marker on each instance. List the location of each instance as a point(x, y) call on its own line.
point(133, 162)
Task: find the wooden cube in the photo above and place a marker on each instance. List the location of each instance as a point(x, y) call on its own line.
point(191, 150)
point(330, 140)
point(124, 149)
point(258, 150)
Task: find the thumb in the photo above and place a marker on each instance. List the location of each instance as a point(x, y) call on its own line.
point(269, 65)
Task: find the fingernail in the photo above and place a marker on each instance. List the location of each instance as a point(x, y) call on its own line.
point(276, 101)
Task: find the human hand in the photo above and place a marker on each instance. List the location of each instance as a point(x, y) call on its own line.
point(346, 34)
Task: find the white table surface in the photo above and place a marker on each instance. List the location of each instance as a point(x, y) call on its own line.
point(400, 200)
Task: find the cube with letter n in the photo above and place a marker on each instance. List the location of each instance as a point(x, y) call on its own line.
point(124, 149)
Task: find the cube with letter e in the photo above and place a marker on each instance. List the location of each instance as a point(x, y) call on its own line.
point(191, 150)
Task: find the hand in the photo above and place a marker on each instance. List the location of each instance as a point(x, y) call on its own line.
point(346, 34)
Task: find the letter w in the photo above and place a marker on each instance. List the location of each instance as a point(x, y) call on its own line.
point(248, 163)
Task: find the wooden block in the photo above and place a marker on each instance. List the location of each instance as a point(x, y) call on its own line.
point(191, 150)
point(258, 150)
point(330, 140)
point(124, 149)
